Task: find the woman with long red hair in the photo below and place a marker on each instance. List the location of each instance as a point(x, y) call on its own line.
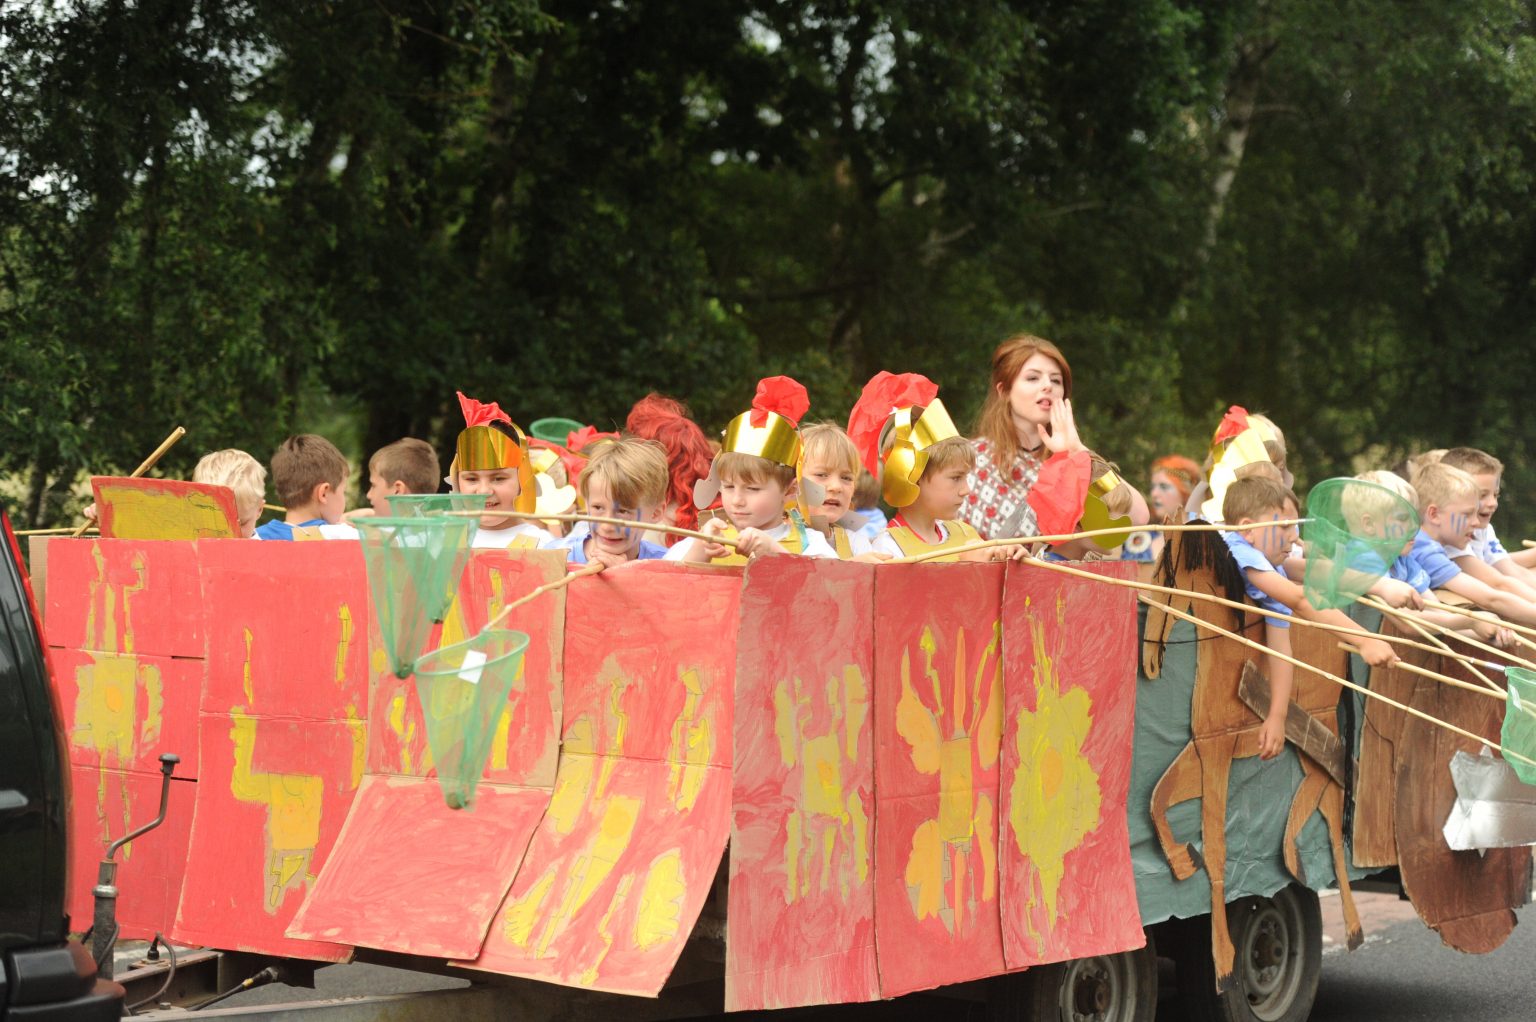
point(1027, 417)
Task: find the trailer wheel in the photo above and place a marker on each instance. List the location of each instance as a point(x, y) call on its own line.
point(1105, 988)
point(1279, 952)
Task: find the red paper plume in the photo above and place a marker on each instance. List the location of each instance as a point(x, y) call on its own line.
point(577, 440)
point(1060, 490)
point(477, 413)
point(782, 396)
point(573, 463)
point(881, 396)
point(666, 421)
point(1233, 423)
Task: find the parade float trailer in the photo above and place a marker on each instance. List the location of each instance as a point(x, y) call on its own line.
point(805, 782)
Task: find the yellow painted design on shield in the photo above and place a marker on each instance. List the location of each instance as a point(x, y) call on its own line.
point(1055, 800)
point(659, 916)
point(952, 723)
point(692, 744)
point(344, 643)
point(293, 802)
point(827, 832)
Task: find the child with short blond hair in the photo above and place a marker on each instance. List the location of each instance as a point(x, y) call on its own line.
point(406, 466)
point(829, 459)
point(310, 476)
point(1448, 503)
point(244, 475)
point(624, 478)
point(1485, 558)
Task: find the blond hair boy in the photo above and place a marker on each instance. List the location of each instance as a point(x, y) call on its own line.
point(624, 478)
point(243, 474)
point(1484, 558)
point(1448, 505)
point(829, 458)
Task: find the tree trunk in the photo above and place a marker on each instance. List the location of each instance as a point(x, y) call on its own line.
point(1232, 138)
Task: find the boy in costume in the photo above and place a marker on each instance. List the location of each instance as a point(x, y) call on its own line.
point(310, 476)
point(755, 476)
point(622, 479)
point(908, 442)
point(492, 458)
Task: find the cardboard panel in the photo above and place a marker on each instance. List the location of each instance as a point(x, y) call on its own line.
point(620, 866)
point(1070, 660)
point(122, 710)
point(272, 797)
point(286, 627)
point(527, 741)
point(1467, 897)
point(164, 509)
point(447, 869)
point(105, 804)
point(938, 707)
point(802, 900)
point(123, 597)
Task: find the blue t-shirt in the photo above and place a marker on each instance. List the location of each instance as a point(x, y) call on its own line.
point(574, 546)
point(1430, 556)
point(1406, 569)
point(279, 529)
point(1248, 557)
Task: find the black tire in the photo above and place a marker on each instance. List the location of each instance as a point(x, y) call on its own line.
point(1278, 958)
point(1105, 988)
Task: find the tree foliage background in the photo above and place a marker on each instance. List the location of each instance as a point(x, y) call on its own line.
point(259, 217)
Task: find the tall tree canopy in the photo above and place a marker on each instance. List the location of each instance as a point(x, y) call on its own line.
point(232, 215)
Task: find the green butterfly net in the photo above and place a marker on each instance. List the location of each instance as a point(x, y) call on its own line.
point(413, 566)
point(463, 690)
point(1519, 734)
point(1356, 530)
point(411, 505)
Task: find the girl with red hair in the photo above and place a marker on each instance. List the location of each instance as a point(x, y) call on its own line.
point(667, 421)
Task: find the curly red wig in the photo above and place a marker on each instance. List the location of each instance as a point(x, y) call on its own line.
point(666, 420)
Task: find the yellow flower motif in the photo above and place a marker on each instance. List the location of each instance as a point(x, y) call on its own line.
point(1055, 796)
point(952, 722)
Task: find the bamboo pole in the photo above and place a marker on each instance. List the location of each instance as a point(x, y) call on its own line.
point(144, 466)
point(992, 544)
point(58, 531)
point(1235, 605)
point(1259, 646)
point(1444, 679)
point(1419, 625)
point(548, 587)
point(1483, 615)
point(628, 523)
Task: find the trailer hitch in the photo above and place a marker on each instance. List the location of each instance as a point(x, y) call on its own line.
point(104, 923)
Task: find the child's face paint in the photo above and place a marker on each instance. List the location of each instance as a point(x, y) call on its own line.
point(1273, 541)
point(615, 539)
point(839, 483)
point(1487, 496)
point(1461, 522)
point(940, 495)
point(1036, 389)
point(753, 505)
point(502, 489)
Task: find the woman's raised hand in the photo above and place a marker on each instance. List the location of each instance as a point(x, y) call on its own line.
point(1063, 434)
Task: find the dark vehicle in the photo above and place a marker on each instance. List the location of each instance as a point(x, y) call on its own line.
point(46, 976)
